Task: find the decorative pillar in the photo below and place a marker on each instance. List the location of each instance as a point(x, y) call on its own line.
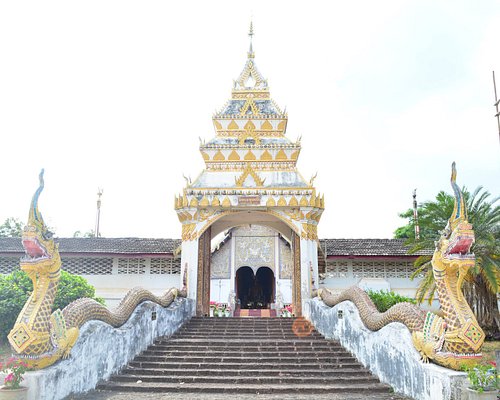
point(296, 284)
point(232, 265)
point(276, 266)
point(203, 275)
point(309, 266)
point(189, 263)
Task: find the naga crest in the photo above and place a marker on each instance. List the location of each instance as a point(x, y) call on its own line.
point(41, 253)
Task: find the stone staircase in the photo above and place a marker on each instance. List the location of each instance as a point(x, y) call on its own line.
point(245, 355)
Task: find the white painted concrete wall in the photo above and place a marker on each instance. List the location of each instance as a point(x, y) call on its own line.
point(102, 350)
point(389, 353)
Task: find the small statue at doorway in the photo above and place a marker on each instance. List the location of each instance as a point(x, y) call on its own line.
point(232, 300)
point(279, 300)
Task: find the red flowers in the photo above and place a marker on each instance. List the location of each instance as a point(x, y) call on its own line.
point(16, 369)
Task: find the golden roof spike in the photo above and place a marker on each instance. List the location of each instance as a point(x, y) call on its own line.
point(251, 54)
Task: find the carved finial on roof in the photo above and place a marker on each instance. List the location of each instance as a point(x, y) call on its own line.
point(251, 54)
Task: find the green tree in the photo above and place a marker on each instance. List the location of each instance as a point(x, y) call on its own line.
point(16, 287)
point(88, 234)
point(12, 227)
point(481, 287)
point(385, 299)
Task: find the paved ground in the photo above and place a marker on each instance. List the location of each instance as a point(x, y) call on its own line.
point(106, 395)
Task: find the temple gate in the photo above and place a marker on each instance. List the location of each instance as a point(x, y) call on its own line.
point(250, 177)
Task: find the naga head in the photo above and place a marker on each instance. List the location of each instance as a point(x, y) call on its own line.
point(30, 336)
point(456, 339)
point(41, 253)
point(453, 249)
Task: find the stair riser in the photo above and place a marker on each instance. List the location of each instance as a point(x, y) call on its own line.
point(247, 359)
point(247, 342)
point(245, 373)
point(255, 355)
point(189, 348)
point(257, 390)
point(246, 366)
point(246, 381)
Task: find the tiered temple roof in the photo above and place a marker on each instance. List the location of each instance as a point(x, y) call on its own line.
point(250, 148)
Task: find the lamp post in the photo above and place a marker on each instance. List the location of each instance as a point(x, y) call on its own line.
point(415, 215)
point(98, 216)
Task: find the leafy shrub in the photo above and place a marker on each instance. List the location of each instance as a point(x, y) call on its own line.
point(16, 287)
point(385, 299)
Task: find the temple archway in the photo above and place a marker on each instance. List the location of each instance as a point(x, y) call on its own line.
point(220, 285)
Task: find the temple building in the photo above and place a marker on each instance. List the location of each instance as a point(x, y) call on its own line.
point(249, 225)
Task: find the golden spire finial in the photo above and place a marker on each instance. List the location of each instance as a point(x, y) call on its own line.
point(251, 54)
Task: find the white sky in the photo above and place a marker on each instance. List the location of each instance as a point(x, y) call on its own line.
point(115, 94)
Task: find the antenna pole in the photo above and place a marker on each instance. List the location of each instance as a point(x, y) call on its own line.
point(98, 216)
point(415, 215)
point(497, 115)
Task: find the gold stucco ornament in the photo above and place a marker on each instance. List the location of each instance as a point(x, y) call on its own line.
point(455, 339)
point(41, 337)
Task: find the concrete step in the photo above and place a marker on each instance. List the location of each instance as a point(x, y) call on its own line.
point(255, 354)
point(247, 380)
point(248, 358)
point(247, 388)
point(246, 372)
point(244, 366)
point(251, 348)
point(250, 340)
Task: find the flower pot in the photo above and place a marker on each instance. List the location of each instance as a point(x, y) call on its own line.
point(211, 312)
point(13, 394)
point(227, 313)
point(475, 395)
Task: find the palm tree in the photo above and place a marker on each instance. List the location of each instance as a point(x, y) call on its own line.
point(481, 288)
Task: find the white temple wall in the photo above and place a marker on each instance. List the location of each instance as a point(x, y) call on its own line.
point(114, 287)
point(189, 260)
point(308, 261)
point(219, 290)
point(285, 287)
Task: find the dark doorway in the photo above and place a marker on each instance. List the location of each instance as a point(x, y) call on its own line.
point(255, 291)
point(264, 279)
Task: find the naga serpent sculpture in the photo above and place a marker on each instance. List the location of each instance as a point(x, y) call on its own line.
point(456, 338)
point(42, 337)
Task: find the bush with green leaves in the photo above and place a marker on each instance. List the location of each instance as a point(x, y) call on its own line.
point(385, 299)
point(16, 287)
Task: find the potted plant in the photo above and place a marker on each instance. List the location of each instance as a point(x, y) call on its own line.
point(12, 389)
point(227, 311)
point(286, 312)
point(483, 381)
point(220, 310)
point(213, 306)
